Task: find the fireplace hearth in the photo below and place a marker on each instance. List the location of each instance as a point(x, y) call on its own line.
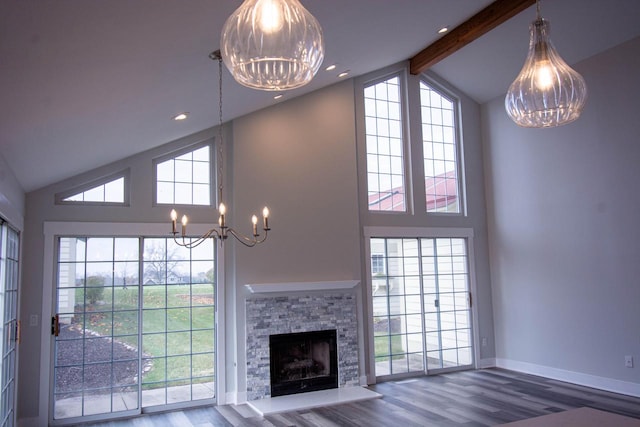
point(302, 362)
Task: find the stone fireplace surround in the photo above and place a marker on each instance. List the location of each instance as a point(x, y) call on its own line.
point(300, 307)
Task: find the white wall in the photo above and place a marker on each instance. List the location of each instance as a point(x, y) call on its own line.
point(564, 208)
point(11, 196)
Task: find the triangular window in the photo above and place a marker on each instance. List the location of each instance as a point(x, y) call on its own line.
point(109, 190)
point(184, 179)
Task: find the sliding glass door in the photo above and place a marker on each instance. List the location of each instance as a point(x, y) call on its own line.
point(134, 326)
point(9, 274)
point(420, 304)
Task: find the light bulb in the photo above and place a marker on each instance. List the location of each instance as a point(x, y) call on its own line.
point(265, 212)
point(543, 75)
point(184, 220)
point(269, 16)
point(174, 215)
point(254, 220)
point(222, 209)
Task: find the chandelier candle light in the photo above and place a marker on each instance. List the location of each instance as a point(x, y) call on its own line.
point(222, 231)
point(272, 45)
point(547, 92)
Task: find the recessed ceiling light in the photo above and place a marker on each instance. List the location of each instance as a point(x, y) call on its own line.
point(181, 116)
point(343, 74)
point(331, 67)
point(443, 30)
point(278, 96)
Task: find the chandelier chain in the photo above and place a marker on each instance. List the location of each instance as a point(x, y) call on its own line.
point(220, 159)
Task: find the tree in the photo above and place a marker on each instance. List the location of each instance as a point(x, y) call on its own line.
point(158, 263)
point(94, 289)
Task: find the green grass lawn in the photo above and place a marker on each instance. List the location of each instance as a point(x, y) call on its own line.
point(387, 345)
point(177, 328)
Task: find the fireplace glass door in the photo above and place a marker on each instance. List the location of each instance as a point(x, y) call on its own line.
point(302, 362)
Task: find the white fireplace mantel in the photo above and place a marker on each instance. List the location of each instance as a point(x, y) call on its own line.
point(266, 288)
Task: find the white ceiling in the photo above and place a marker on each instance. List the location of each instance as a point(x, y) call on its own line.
point(87, 82)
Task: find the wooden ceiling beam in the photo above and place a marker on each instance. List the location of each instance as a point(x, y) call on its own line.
point(482, 22)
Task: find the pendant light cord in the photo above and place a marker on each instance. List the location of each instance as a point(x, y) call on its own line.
point(220, 156)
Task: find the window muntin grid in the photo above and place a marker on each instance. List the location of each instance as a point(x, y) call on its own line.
point(185, 179)
point(440, 151)
point(384, 146)
point(421, 315)
point(100, 294)
point(109, 192)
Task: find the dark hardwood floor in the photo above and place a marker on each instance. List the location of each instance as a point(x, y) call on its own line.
point(471, 398)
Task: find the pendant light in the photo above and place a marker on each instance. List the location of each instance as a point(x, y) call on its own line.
point(272, 45)
point(547, 92)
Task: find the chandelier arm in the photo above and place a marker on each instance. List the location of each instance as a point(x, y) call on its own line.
point(198, 241)
point(247, 241)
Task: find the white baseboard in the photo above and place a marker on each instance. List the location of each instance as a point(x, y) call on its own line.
point(486, 363)
point(363, 380)
point(601, 383)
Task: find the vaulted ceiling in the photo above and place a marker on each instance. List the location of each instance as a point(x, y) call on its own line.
point(87, 82)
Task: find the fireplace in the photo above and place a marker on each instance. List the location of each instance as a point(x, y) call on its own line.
point(303, 361)
point(291, 308)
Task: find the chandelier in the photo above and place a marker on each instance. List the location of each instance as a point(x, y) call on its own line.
point(272, 45)
point(547, 92)
point(221, 231)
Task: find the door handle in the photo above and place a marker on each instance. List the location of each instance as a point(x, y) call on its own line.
point(55, 325)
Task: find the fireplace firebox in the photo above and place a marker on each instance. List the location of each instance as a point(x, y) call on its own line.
point(303, 361)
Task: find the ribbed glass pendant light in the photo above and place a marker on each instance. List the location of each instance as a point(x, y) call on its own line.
point(272, 44)
point(547, 92)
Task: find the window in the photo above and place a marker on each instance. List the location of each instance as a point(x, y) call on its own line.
point(409, 142)
point(377, 264)
point(421, 307)
point(440, 151)
point(384, 145)
point(185, 179)
point(109, 190)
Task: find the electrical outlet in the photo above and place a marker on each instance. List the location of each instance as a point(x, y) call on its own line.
point(628, 361)
point(484, 341)
point(33, 320)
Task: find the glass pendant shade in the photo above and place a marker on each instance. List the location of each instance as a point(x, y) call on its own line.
point(547, 92)
point(272, 44)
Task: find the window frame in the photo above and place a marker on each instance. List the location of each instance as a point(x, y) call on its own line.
point(210, 142)
point(53, 230)
point(401, 73)
point(89, 185)
point(449, 95)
